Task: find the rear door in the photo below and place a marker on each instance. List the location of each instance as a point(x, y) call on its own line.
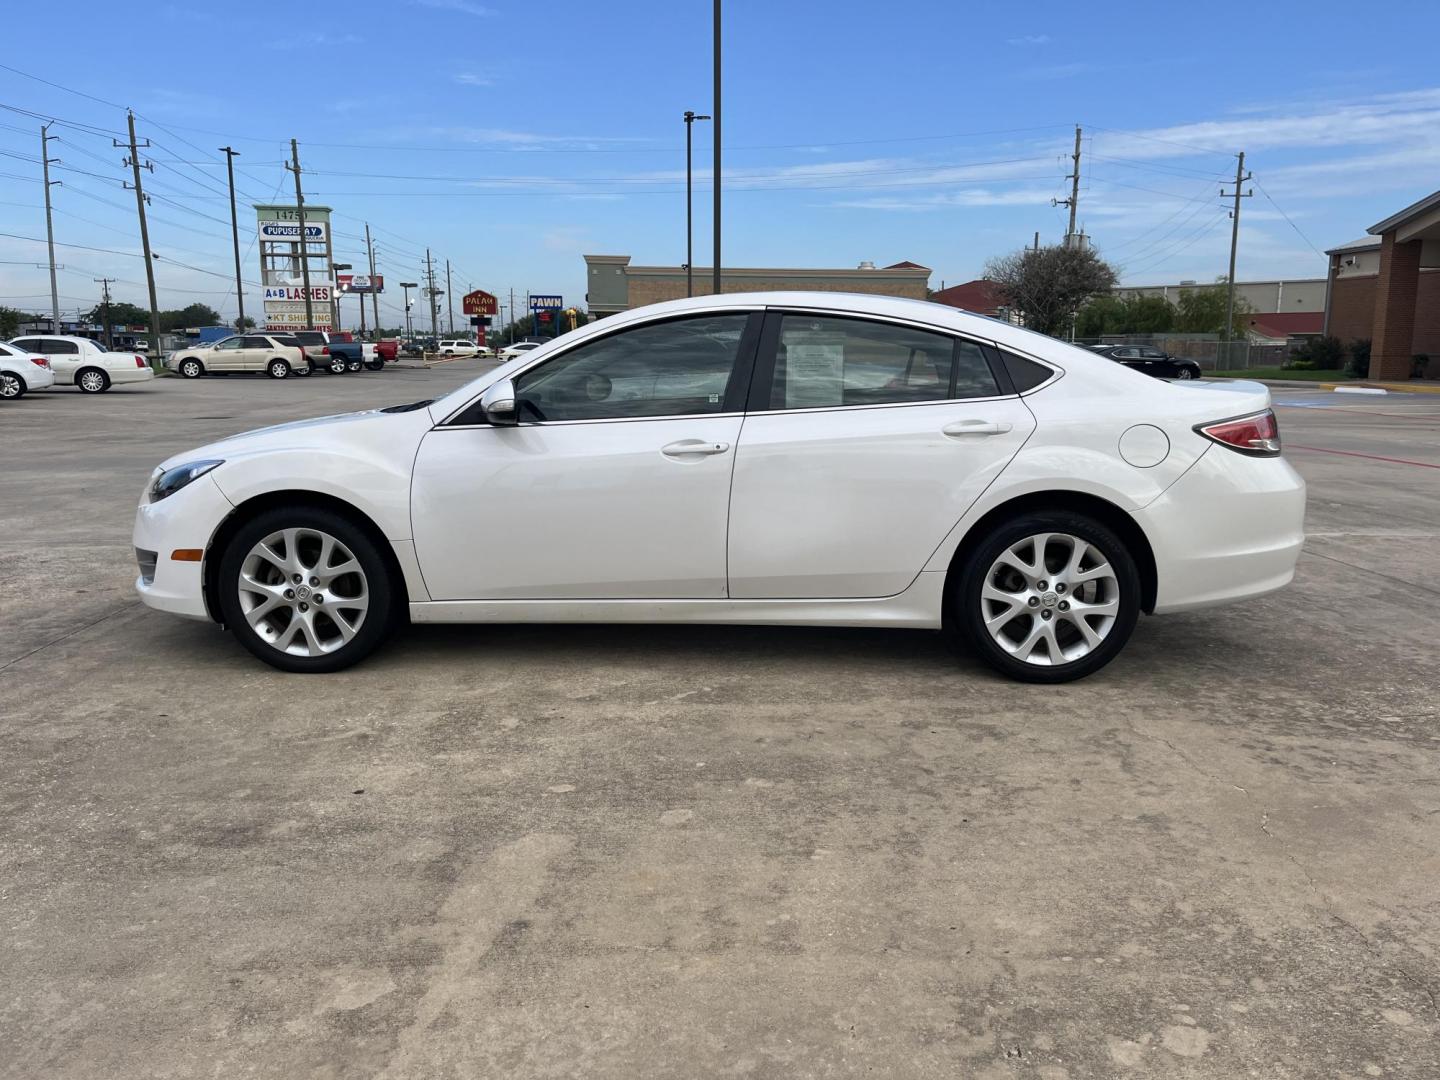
point(865, 442)
point(65, 357)
point(255, 352)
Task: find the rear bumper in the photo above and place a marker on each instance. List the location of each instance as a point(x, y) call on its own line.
point(38, 378)
point(131, 374)
point(1230, 529)
point(188, 519)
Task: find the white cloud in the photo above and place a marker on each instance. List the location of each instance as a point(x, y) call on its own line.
point(475, 78)
point(1029, 39)
point(463, 7)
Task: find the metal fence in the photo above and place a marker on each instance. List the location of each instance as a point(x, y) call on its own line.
point(1207, 350)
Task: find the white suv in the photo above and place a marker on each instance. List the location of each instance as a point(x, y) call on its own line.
point(457, 347)
point(80, 362)
point(21, 372)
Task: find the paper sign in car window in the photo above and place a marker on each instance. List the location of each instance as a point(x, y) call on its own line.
point(814, 369)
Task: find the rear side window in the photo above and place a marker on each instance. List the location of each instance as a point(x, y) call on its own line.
point(62, 348)
point(256, 343)
point(823, 362)
point(30, 345)
point(1024, 374)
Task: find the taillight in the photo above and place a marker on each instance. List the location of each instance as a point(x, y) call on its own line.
point(40, 361)
point(1257, 435)
point(324, 350)
point(140, 361)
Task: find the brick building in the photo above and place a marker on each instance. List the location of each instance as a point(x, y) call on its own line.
point(1386, 287)
point(613, 285)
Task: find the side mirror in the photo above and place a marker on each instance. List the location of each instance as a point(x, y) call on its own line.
point(498, 403)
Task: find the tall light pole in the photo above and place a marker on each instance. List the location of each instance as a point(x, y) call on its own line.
point(335, 268)
point(716, 106)
point(690, 119)
point(45, 162)
point(407, 286)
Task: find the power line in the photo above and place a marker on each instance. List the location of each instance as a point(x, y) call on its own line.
point(1287, 219)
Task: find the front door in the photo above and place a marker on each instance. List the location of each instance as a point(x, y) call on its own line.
point(228, 355)
point(614, 483)
point(868, 444)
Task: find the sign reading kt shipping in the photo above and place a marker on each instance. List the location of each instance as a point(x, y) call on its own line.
point(479, 302)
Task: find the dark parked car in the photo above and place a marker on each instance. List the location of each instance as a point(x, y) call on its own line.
point(1151, 361)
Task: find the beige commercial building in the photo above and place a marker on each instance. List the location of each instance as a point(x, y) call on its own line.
point(1274, 296)
point(613, 285)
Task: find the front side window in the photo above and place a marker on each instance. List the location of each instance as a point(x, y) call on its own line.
point(678, 368)
point(823, 362)
point(228, 343)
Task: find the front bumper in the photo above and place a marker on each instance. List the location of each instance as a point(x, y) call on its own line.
point(1230, 529)
point(186, 520)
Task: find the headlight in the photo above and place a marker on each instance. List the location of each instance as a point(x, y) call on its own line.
point(172, 480)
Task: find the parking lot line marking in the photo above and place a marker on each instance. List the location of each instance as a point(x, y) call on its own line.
point(1372, 457)
point(1344, 410)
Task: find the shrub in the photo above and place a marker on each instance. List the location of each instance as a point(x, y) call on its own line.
point(1420, 364)
point(1302, 365)
point(1359, 358)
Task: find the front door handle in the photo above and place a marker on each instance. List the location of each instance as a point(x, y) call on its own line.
point(975, 427)
point(693, 448)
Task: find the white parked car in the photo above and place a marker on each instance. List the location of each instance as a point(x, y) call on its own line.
point(84, 363)
point(457, 347)
point(21, 372)
point(772, 458)
point(278, 356)
point(519, 348)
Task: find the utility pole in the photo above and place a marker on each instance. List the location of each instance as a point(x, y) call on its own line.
point(430, 292)
point(449, 301)
point(140, 200)
point(690, 118)
point(294, 167)
point(1073, 202)
point(45, 160)
point(374, 292)
point(1240, 177)
point(512, 318)
point(715, 270)
point(1037, 239)
point(230, 155)
point(105, 307)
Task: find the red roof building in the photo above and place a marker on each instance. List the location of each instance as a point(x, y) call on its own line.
point(1284, 324)
point(979, 296)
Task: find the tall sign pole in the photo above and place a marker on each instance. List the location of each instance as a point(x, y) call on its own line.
point(294, 167)
point(134, 164)
point(374, 292)
point(715, 270)
point(1240, 177)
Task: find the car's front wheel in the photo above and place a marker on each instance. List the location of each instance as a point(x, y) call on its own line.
point(92, 381)
point(306, 590)
point(278, 368)
point(336, 366)
point(1048, 597)
point(191, 368)
point(11, 386)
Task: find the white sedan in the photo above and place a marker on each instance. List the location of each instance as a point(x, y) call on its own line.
point(773, 458)
point(21, 372)
point(519, 348)
point(86, 364)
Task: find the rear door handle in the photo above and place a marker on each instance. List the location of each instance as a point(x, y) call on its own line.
point(693, 448)
point(975, 427)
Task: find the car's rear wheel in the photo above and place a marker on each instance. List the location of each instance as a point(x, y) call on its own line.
point(306, 590)
point(336, 365)
point(1048, 597)
point(12, 386)
point(1187, 373)
point(278, 368)
point(354, 365)
point(378, 364)
point(191, 368)
point(92, 381)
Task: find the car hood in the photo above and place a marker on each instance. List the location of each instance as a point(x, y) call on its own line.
point(395, 428)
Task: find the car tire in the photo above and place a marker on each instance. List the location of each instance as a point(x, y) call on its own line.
point(294, 633)
point(92, 380)
point(278, 368)
point(12, 386)
point(1188, 373)
point(336, 365)
point(375, 365)
point(191, 368)
point(999, 607)
point(353, 365)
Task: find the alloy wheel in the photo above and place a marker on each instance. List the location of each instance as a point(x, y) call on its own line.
point(303, 592)
point(92, 382)
point(9, 385)
point(1050, 599)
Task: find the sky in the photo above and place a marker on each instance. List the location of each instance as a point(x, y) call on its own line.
point(512, 138)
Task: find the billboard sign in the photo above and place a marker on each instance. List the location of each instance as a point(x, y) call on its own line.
point(283, 230)
point(545, 303)
point(319, 294)
point(479, 302)
point(360, 283)
point(295, 320)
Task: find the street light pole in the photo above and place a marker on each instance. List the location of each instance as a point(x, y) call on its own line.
point(690, 118)
point(338, 292)
point(715, 270)
point(230, 155)
point(407, 286)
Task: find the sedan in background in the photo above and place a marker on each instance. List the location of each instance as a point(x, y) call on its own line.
point(1150, 361)
point(86, 364)
point(21, 372)
point(276, 355)
point(768, 458)
point(519, 348)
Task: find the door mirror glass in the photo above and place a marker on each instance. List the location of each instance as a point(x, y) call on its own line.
point(498, 403)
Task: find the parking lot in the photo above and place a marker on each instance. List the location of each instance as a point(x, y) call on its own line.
point(677, 852)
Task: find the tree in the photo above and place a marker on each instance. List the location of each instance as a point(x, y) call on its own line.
point(10, 320)
point(1125, 315)
point(1046, 286)
point(194, 315)
point(245, 323)
point(121, 314)
point(1202, 311)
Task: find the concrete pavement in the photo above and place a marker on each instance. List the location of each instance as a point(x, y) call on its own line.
point(679, 852)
